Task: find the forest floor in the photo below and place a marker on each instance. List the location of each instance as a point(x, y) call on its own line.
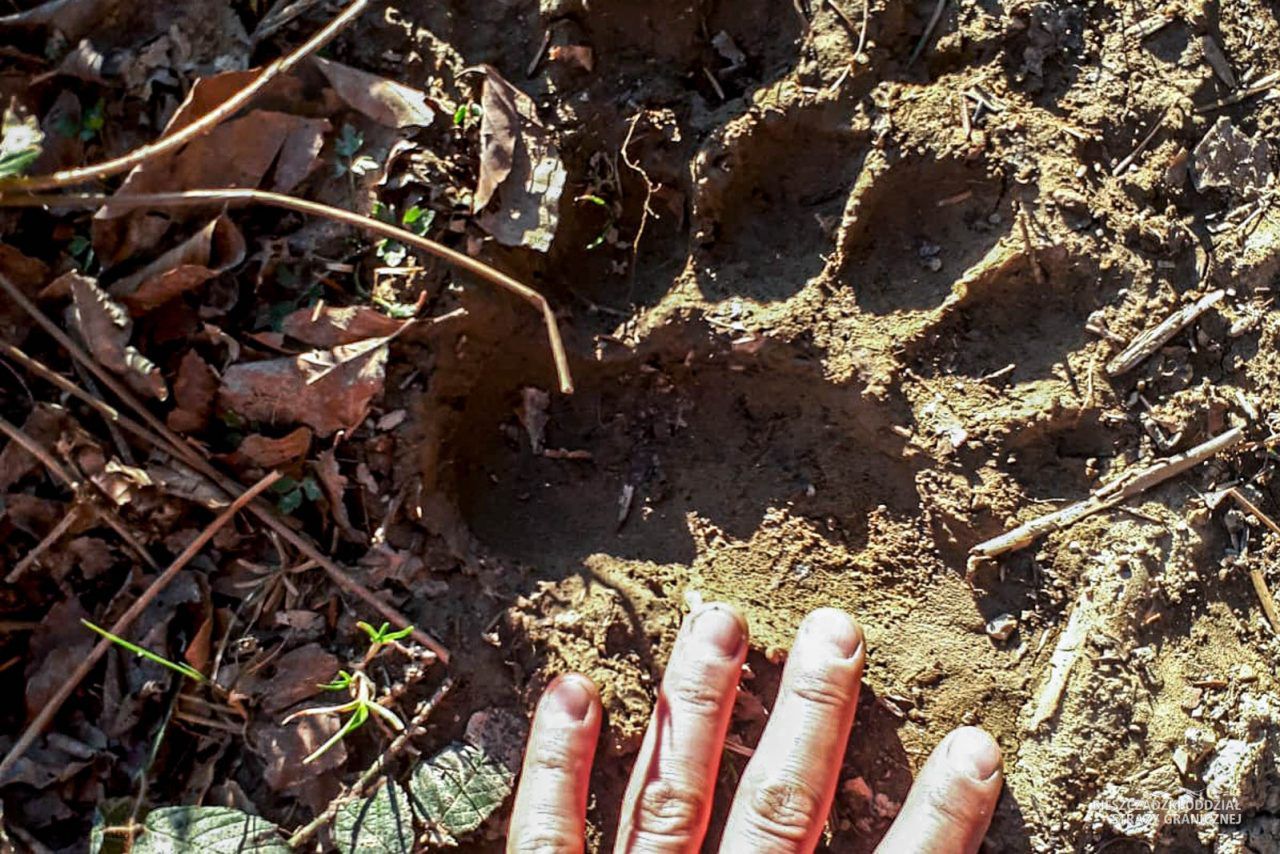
point(847, 290)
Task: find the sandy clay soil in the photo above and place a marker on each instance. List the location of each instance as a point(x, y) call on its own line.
point(842, 301)
point(867, 328)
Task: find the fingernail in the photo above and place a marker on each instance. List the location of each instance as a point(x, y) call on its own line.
point(974, 752)
point(720, 628)
point(571, 696)
point(834, 629)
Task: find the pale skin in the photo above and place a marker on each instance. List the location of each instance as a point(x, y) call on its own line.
point(785, 793)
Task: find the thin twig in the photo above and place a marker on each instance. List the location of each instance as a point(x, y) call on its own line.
point(928, 31)
point(176, 446)
point(862, 32)
point(1146, 140)
point(51, 707)
point(202, 125)
point(64, 524)
point(35, 449)
point(1110, 495)
point(1151, 340)
point(1268, 81)
point(1259, 580)
point(1032, 256)
point(195, 198)
point(379, 765)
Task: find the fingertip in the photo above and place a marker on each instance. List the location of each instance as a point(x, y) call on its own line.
point(570, 699)
point(973, 752)
point(835, 629)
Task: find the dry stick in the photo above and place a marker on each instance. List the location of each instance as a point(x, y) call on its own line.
point(121, 625)
point(1146, 140)
point(1107, 496)
point(862, 33)
point(928, 32)
point(1255, 575)
point(1267, 82)
point(359, 787)
point(181, 449)
point(32, 447)
point(1032, 256)
point(1151, 340)
point(64, 524)
point(204, 124)
point(193, 198)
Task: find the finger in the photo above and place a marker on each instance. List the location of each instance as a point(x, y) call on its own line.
point(786, 790)
point(668, 798)
point(950, 805)
point(551, 804)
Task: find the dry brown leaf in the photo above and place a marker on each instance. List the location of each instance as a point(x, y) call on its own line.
point(385, 101)
point(328, 390)
point(174, 478)
point(332, 326)
point(237, 153)
point(214, 249)
point(577, 55)
point(55, 648)
point(266, 452)
point(29, 275)
point(72, 18)
point(44, 425)
point(518, 155)
point(283, 748)
point(193, 392)
point(105, 327)
point(334, 485)
point(296, 676)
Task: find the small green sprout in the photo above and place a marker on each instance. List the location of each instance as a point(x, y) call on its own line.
point(416, 220)
point(80, 248)
point(383, 634)
point(604, 233)
point(185, 669)
point(91, 123)
point(292, 492)
point(361, 706)
point(350, 160)
point(465, 114)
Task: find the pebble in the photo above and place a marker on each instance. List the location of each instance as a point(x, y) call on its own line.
point(1001, 627)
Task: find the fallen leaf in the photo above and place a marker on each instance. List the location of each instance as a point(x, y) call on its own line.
point(72, 18)
point(193, 393)
point(105, 327)
point(236, 153)
point(175, 478)
point(214, 249)
point(501, 733)
point(517, 154)
point(332, 326)
point(121, 482)
point(457, 789)
point(29, 275)
point(379, 824)
point(573, 54)
point(267, 453)
point(207, 830)
point(328, 390)
point(284, 747)
point(44, 425)
point(334, 485)
point(385, 101)
point(296, 676)
point(533, 415)
point(56, 647)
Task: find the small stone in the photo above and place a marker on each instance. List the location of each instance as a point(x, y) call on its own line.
point(1001, 627)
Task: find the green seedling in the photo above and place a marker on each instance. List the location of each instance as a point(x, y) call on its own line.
point(80, 248)
point(361, 706)
point(185, 669)
point(604, 233)
point(292, 492)
point(350, 160)
point(382, 634)
point(416, 220)
point(465, 114)
point(91, 123)
point(21, 142)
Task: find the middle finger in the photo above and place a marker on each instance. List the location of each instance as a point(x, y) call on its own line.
point(668, 798)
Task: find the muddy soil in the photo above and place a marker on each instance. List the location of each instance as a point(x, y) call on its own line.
point(865, 328)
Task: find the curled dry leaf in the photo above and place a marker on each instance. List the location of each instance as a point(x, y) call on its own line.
point(330, 326)
point(44, 425)
point(29, 275)
point(266, 452)
point(518, 156)
point(217, 247)
point(334, 485)
point(296, 676)
point(105, 327)
point(328, 390)
point(237, 153)
point(193, 393)
point(385, 101)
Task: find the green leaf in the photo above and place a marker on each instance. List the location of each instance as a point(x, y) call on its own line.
point(208, 830)
point(185, 669)
point(460, 115)
point(21, 141)
point(457, 789)
point(349, 141)
point(311, 489)
point(290, 501)
point(381, 823)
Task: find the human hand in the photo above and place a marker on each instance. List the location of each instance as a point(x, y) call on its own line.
point(785, 792)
